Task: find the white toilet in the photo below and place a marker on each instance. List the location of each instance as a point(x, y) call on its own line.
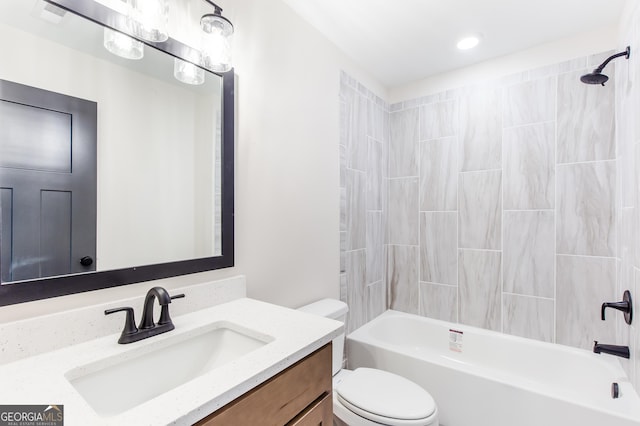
point(367, 396)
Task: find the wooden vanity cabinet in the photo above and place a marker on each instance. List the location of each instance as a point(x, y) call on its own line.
point(300, 395)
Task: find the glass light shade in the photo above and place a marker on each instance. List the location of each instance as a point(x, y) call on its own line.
point(122, 45)
point(216, 42)
point(150, 19)
point(187, 73)
point(216, 23)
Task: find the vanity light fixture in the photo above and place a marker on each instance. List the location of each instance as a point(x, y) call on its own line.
point(216, 42)
point(122, 45)
point(150, 19)
point(468, 43)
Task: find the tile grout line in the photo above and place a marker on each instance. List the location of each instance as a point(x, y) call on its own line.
point(533, 124)
point(365, 303)
point(608, 160)
point(387, 229)
point(502, 224)
point(457, 154)
point(587, 256)
point(528, 210)
point(528, 296)
point(554, 336)
point(477, 249)
point(419, 257)
point(479, 171)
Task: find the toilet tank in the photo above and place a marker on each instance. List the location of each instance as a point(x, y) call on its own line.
point(337, 310)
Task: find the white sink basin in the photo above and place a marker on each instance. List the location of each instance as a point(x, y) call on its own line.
point(118, 383)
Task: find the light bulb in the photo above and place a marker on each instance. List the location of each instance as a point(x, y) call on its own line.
point(122, 45)
point(150, 19)
point(187, 73)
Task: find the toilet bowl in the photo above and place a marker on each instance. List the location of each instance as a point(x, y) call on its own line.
point(368, 396)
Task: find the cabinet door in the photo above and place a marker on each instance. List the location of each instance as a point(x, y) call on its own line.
point(318, 414)
point(282, 398)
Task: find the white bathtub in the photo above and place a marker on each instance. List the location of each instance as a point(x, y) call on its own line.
point(496, 379)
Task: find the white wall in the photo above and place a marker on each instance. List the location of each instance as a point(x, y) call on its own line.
point(287, 161)
point(557, 51)
point(287, 211)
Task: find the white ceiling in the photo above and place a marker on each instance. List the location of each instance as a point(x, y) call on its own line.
point(400, 41)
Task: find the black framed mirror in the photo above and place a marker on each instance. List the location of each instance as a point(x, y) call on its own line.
point(208, 222)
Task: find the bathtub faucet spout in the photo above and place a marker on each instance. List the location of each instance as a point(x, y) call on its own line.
point(622, 351)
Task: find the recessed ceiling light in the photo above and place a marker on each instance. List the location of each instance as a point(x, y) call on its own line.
point(468, 43)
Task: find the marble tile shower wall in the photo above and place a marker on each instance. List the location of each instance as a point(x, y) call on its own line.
point(502, 205)
point(364, 142)
point(627, 78)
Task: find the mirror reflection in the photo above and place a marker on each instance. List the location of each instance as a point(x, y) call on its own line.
point(156, 151)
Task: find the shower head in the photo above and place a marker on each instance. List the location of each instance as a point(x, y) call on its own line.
point(596, 77)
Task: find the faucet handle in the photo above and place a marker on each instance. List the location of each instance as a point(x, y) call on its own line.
point(626, 306)
point(129, 323)
point(164, 313)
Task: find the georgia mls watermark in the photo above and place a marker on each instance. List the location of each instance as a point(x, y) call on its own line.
point(31, 415)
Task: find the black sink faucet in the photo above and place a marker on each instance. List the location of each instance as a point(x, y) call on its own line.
point(147, 314)
point(621, 351)
point(147, 327)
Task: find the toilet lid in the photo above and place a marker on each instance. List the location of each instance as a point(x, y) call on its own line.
point(376, 394)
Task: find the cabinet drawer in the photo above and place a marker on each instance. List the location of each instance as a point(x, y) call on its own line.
point(319, 413)
point(281, 398)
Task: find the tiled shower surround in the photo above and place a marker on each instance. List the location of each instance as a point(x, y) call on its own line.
point(364, 141)
point(502, 205)
point(508, 205)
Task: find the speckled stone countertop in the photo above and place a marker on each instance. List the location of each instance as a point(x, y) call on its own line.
point(292, 335)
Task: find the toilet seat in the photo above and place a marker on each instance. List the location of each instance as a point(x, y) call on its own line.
point(396, 401)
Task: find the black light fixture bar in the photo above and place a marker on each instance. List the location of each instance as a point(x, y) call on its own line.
point(109, 18)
